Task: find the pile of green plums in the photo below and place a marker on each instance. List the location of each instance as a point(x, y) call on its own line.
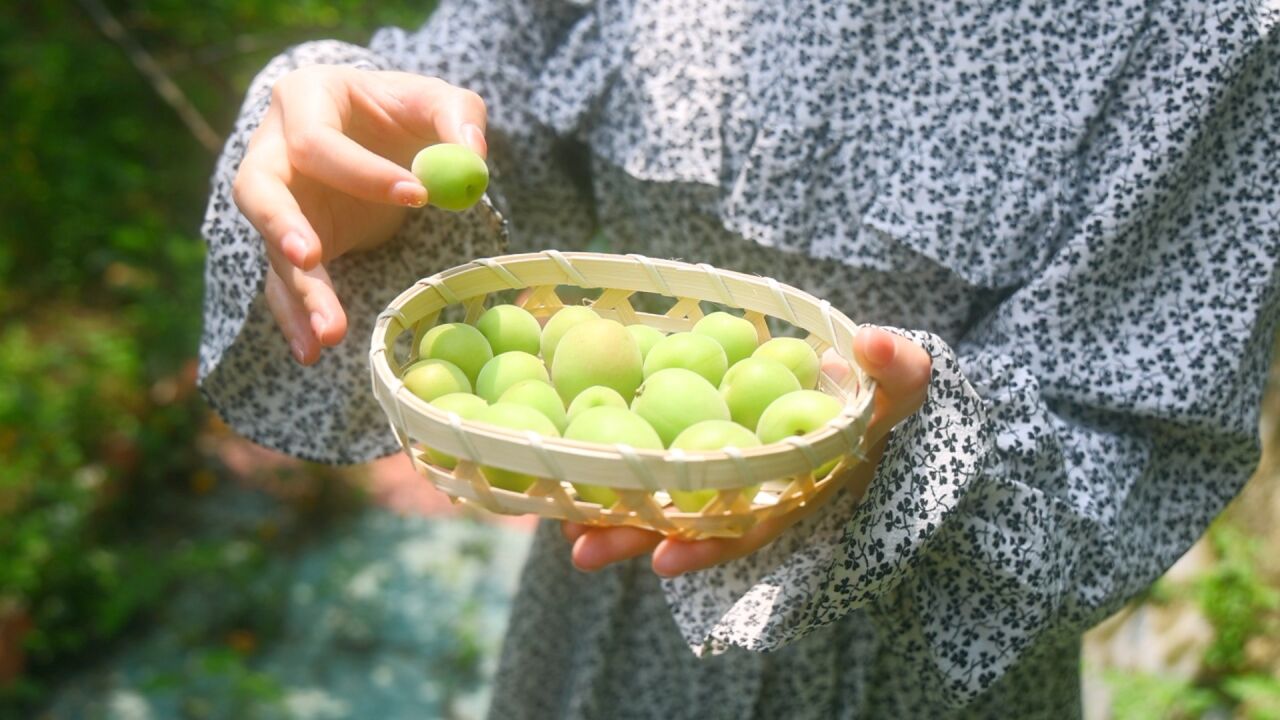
point(592, 379)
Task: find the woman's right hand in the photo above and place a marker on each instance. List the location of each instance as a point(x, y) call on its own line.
point(326, 173)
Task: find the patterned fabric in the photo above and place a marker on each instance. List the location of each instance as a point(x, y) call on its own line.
point(1072, 206)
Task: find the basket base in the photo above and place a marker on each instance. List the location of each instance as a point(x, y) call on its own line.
point(554, 501)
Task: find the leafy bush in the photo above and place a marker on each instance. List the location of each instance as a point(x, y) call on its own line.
point(1243, 606)
point(100, 293)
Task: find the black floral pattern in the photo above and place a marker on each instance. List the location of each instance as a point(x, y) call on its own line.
point(1072, 206)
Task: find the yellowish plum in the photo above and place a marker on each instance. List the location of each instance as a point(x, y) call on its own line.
point(559, 324)
point(596, 352)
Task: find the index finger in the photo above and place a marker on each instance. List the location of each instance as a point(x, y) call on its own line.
point(433, 109)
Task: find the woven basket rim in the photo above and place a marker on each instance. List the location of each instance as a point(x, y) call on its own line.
point(650, 469)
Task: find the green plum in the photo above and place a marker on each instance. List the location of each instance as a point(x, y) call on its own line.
point(513, 417)
point(506, 370)
point(799, 413)
point(429, 379)
point(610, 426)
point(510, 327)
point(595, 396)
point(752, 384)
point(465, 406)
point(675, 398)
point(539, 396)
point(454, 175)
point(797, 355)
point(458, 343)
point(711, 435)
point(698, 353)
point(736, 335)
point(596, 352)
point(559, 324)
point(646, 337)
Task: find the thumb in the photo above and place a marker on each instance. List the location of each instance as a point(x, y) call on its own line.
point(901, 369)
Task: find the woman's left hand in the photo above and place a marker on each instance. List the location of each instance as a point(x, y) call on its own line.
point(901, 369)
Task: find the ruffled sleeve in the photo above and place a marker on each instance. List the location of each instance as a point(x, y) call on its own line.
point(325, 412)
point(1080, 437)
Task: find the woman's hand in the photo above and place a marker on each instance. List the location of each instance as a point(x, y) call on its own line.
point(901, 369)
point(325, 174)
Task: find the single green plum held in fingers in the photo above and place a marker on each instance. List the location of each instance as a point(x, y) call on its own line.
point(454, 175)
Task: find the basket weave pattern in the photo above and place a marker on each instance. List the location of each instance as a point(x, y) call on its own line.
point(639, 477)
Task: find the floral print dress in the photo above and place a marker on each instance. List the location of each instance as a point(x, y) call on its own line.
point(1073, 206)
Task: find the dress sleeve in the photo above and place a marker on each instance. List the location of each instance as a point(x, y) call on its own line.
point(325, 412)
point(1082, 435)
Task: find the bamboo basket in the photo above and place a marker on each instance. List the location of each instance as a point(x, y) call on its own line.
point(641, 478)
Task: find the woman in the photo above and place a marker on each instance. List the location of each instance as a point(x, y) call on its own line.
point(1072, 210)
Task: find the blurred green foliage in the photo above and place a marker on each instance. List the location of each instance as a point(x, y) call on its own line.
point(1242, 604)
point(100, 294)
point(100, 288)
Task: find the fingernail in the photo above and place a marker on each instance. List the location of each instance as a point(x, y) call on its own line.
point(474, 138)
point(318, 323)
point(295, 246)
point(299, 352)
point(408, 193)
point(879, 353)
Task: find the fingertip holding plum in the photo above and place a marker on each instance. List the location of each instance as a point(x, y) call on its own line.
point(474, 138)
point(412, 194)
